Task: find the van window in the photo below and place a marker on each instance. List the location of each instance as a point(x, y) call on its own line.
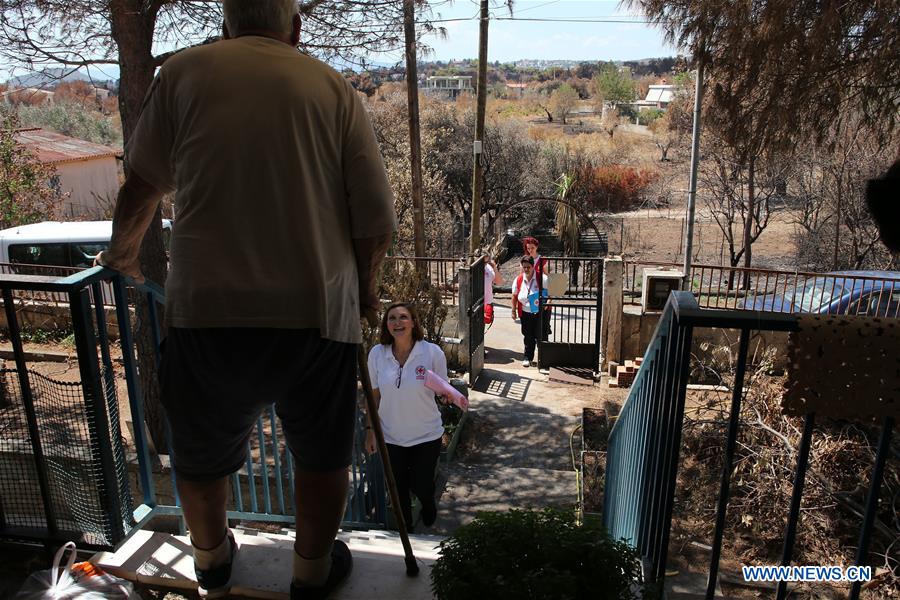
point(39, 254)
point(82, 253)
point(78, 254)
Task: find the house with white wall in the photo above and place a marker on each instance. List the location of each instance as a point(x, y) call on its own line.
point(88, 172)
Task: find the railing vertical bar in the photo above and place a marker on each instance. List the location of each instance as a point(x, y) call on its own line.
point(95, 407)
point(276, 457)
point(135, 401)
point(658, 432)
point(292, 487)
point(683, 359)
point(238, 494)
point(263, 466)
point(719, 287)
point(865, 532)
point(251, 480)
point(728, 462)
point(40, 462)
point(796, 495)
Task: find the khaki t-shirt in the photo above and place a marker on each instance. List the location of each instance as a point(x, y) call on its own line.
point(276, 169)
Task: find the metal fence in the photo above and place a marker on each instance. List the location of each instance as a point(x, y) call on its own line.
point(770, 290)
point(442, 273)
point(263, 489)
point(644, 444)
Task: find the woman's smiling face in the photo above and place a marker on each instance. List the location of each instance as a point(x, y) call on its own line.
point(400, 322)
point(531, 249)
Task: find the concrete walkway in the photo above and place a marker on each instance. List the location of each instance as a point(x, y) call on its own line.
point(515, 449)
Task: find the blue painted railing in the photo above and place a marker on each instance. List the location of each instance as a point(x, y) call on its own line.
point(644, 444)
point(263, 490)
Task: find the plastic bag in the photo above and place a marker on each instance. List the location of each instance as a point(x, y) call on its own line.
point(81, 581)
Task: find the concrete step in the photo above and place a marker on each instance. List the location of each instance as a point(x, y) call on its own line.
point(264, 561)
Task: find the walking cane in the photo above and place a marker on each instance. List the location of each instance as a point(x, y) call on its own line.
point(412, 567)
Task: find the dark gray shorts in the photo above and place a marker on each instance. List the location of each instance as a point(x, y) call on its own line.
point(216, 381)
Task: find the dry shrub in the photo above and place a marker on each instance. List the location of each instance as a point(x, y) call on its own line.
point(614, 188)
point(841, 461)
point(401, 282)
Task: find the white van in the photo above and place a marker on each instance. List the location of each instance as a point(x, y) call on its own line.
point(61, 244)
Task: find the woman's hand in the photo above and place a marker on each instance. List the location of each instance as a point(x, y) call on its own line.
point(371, 446)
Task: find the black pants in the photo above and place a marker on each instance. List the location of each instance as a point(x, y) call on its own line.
point(531, 328)
point(414, 472)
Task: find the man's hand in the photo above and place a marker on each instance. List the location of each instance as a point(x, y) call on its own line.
point(130, 269)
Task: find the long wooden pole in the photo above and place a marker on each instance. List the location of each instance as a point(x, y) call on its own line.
point(415, 142)
point(478, 175)
point(412, 567)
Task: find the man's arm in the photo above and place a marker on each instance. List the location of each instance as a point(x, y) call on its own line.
point(370, 253)
point(135, 207)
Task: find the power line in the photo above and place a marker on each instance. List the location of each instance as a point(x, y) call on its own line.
point(625, 20)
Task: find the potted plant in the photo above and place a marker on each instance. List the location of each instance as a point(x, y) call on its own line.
point(537, 555)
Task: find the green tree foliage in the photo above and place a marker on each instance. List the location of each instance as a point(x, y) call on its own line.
point(613, 86)
point(26, 191)
point(76, 120)
point(563, 101)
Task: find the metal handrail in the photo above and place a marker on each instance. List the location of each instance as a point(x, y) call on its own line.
point(644, 443)
point(261, 478)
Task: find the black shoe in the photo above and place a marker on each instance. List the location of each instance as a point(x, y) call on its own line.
point(341, 565)
point(214, 582)
point(429, 513)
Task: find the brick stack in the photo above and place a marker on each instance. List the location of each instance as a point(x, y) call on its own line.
point(623, 375)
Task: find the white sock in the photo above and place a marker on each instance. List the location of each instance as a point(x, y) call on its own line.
point(312, 571)
point(213, 557)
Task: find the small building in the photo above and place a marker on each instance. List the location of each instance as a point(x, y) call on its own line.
point(658, 96)
point(88, 172)
point(448, 86)
point(516, 90)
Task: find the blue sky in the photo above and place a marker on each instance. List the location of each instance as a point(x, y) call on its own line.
point(582, 36)
point(516, 39)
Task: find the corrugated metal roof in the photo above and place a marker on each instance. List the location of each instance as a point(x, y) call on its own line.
point(55, 148)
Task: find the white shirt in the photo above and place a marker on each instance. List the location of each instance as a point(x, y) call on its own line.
point(489, 284)
point(527, 288)
point(408, 412)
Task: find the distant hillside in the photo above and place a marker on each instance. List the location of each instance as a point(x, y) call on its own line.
point(51, 77)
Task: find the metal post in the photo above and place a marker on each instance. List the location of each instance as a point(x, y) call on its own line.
point(695, 162)
point(478, 146)
point(727, 463)
point(865, 532)
point(794, 512)
point(95, 407)
point(40, 462)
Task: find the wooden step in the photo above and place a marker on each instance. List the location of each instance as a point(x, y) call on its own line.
point(264, 560)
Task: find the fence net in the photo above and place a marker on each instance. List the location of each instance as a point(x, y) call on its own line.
point(70, 444)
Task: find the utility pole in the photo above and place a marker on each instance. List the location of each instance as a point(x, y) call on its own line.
point(695, 162)
point(415, 142)
point(478, 175)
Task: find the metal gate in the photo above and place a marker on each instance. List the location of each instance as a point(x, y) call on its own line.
point(573, 339)
point(476, 319)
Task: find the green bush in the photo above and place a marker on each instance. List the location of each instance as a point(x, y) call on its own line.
point(535, 555)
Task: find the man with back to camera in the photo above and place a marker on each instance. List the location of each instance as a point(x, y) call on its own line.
point(284, 215)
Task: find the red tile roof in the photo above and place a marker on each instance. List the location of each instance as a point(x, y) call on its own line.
point(55, 148)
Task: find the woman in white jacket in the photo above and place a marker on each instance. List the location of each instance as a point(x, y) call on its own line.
point(410, 418)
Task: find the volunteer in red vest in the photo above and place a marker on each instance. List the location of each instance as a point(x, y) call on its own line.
point(525, 291)
point(541, 268)
point(491, 276)
point(410, 418)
